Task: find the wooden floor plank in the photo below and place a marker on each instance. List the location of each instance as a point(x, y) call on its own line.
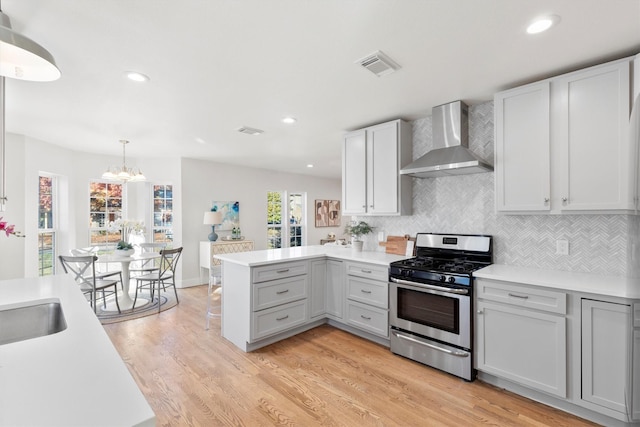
point(323, 377)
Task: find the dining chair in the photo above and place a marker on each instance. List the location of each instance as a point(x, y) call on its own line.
point(147, 266)
point(165, 276)
point(84, 270)
point(93, 250)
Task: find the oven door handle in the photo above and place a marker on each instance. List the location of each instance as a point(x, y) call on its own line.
point(457, 353)
point(432, 287)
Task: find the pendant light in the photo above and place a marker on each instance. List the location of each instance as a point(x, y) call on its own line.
point(124, 173)
point(23, 59)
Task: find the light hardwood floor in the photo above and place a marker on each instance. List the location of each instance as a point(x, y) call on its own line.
point(324, 376)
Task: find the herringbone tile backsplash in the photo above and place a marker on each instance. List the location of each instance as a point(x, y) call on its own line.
point(602, 244)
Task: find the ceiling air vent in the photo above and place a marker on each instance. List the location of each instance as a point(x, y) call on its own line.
point(379, 64)
point(250, 131)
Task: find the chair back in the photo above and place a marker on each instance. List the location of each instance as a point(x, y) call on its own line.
point(152, 247)
point(82, 267)
point(169, 261)
point(91, 250)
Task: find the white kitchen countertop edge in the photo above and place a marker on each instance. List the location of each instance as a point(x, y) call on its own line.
point(612, 286)
point(72, 378)
point(270, 256)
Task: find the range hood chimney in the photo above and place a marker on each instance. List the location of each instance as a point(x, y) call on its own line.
point(450, 154)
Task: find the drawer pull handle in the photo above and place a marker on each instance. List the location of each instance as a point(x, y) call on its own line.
point(366, 271)
point(282, 318)
point(364, 291)
point(282, 271)
point(365, 317)
point(282, 292)
point(519, 296)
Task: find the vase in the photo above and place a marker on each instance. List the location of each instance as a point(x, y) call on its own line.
point(124, 252)
point(356, 245)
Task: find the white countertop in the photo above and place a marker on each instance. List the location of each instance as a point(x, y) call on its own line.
point(269, 256)
point(72, 378)
point(612, 286)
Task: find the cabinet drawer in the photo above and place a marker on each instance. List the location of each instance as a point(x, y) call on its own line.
point(376, 272)
point(278, 271)
point(370, 319)
point(273, 320)
point(278, 292)
point(368, 291)
point(539, 299)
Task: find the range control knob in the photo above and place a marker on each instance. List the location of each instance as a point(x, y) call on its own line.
point(452, 279)
point(443, 278)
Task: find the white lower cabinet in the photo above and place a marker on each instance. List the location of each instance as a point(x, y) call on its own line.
point(335, 294)
point(635, 408)
point(605, 354)
point(525, 346)
point(368, 298)
point(279, 298)
point(318, 299)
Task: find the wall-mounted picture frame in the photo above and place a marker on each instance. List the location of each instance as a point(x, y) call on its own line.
point(327, 213)
point(230, 214)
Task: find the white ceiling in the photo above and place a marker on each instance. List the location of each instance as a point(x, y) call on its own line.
point(217, 65)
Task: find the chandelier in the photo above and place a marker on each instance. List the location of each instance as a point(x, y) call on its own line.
point(123, 173)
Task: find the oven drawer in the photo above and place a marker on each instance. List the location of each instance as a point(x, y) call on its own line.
point(371, 271)
point(370, 319)
point(277, 292)
point(273, 320)
point(538, 299)
point(278, 271)
point(368, 291)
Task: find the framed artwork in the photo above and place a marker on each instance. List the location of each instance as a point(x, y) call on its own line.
point(327, 213)
point(230, 214)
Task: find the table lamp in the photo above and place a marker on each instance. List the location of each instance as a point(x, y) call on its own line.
point(212, 218)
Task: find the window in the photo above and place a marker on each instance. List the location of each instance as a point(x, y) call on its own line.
point(163, 213)
point(105, 205)
point(283, 233)
point(46, 225)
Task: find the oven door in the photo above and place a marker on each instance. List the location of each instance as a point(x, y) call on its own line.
point(432, 311)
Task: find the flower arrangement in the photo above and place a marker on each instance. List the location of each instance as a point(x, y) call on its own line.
point(126, 227)
point(9, 229)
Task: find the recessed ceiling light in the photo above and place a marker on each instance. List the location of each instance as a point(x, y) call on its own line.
point(136, 76)
point(289, 120)
point(542, 24)
point(200, 140)
point(309, 165)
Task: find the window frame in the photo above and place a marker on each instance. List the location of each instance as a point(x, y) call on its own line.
point(52, 229)
point(152, 223)
point(109, 242)
point(286, 227)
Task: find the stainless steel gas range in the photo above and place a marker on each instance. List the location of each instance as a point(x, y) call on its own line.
point(431, 301)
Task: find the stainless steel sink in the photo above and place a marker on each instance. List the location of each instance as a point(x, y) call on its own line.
point(32, 319)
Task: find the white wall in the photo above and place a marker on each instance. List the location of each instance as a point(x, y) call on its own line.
point(204, 182)
point(12, 248)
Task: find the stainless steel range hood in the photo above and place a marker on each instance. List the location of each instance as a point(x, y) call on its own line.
point(450, 155)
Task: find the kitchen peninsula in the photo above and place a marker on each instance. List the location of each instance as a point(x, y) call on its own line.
point(74, 377)
point(273, 294)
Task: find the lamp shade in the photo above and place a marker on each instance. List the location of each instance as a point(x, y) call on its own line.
point(22, 58)
point(212, 218)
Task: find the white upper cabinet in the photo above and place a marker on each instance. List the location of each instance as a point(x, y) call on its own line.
point(562, 145)
point(371, 162)
point(522, 149)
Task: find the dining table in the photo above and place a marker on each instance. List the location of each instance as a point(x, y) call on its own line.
point(124, 300)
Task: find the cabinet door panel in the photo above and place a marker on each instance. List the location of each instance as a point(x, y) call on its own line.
point(318, 288)
point(335, 289)
point(605, 354)
point(382, 150)
point(636, 376)
point(523, 346)
point(594, 138)
point(354, 173)
point(522, 149)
